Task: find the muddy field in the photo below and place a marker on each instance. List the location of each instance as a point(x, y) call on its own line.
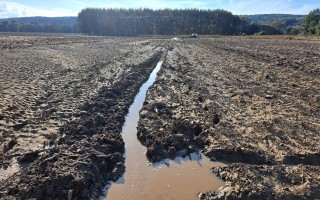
point(63, 103)
point(251, 103)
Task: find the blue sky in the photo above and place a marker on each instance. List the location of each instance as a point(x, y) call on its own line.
point(50, 8)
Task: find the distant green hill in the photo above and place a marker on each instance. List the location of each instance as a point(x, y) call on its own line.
point(287, 19)
point(39, 24)
point(70, 21)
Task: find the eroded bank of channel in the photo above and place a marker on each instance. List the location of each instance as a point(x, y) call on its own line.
point(182, 178)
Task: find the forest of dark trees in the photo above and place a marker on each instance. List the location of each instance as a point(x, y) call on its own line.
point(312, 23)
point(133, 22)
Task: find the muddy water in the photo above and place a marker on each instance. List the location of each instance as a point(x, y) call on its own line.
point(183, 178)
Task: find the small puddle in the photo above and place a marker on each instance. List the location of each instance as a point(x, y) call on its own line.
point(182, 178)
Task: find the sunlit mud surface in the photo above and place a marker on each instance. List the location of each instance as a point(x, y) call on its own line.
point(183, 178)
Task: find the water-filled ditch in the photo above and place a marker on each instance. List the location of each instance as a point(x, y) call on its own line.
point(182, 178)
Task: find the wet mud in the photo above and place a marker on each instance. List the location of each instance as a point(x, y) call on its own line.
point(181, 178)
point(252, 103)
point(87, 99)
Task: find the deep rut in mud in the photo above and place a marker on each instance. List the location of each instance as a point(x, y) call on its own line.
point(182, 178)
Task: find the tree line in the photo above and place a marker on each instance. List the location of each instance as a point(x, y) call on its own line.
point(13, 26)
point(312, 23)
point(133, 22)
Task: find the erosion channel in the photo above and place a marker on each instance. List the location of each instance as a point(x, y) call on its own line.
point(182, 178)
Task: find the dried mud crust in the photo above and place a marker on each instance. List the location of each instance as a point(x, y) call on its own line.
point(61, 113)
point(252, 103)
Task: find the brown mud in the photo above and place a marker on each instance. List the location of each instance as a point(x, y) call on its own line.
point(181, 178)
point(62, 109)
point(253, 103)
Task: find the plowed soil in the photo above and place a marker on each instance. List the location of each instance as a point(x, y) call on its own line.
point(252, 103)
point(63, 103)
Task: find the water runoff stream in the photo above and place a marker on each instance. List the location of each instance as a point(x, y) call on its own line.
point(182, 178)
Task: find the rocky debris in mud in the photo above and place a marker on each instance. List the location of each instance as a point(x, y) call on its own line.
point(251, 102)
point(62, 112)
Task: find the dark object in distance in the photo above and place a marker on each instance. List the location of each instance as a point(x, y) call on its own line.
point(194, 35)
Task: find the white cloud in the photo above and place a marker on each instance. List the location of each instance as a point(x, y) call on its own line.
point(10, 9)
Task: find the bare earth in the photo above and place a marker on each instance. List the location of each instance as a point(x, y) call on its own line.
point(63, 103)
point(251, 103)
